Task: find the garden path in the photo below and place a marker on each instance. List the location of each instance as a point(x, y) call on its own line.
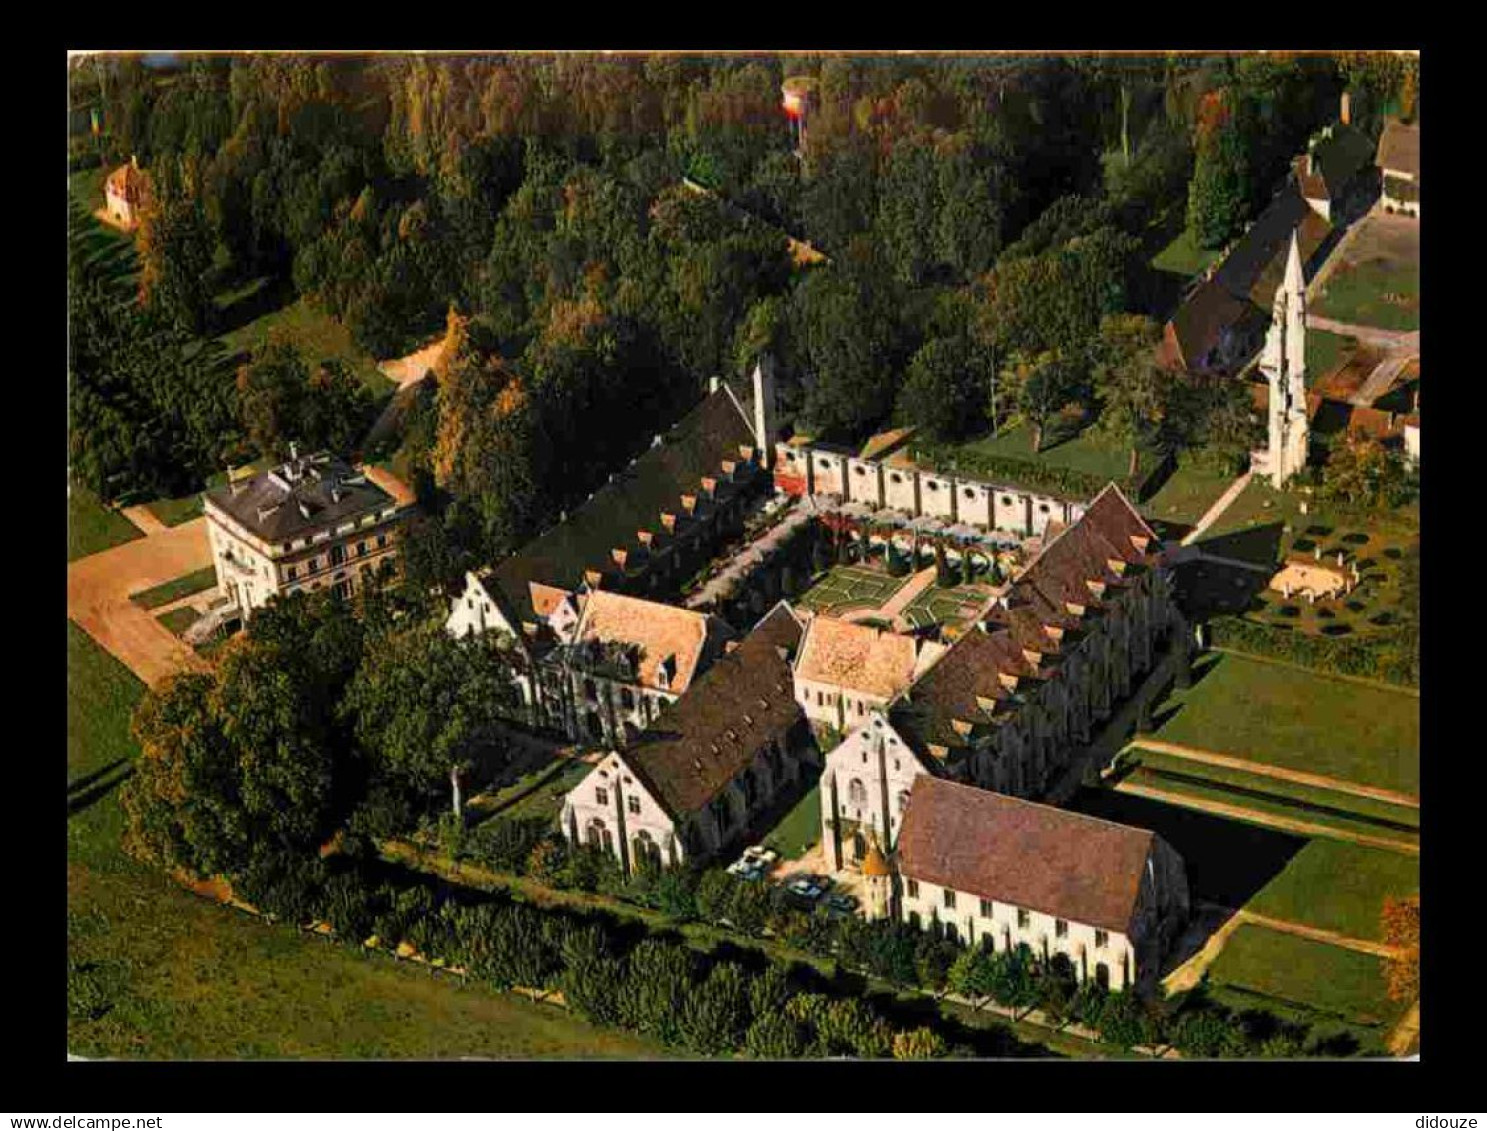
point(98, 589)
point(1406, 1034)
point(143, 518)
point(1214, 512)
point(1300, 777)
point(1289, 824)
point(1393, 340)
point(895, 605)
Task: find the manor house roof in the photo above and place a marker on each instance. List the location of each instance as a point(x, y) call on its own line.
point(299, 497)
point(744, 701)
point(1021, 853)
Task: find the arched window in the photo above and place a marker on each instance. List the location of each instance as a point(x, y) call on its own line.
point(599, 835)
point(647, 851)
point(1102, 975)
point(856, 792)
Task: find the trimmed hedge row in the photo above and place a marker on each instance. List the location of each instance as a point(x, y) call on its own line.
point(1384, 656)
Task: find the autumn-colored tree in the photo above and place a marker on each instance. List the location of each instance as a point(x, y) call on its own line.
point(1362, 471)
point(1401, 928)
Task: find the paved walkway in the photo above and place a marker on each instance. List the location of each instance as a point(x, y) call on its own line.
point(1382, 379)
point(1317, 934)
point(1286, 824)
point(1300, 777)
point(1213, 513)
point(895, 605)
point(143, 518)
point(750, 557)
point(98, 589)
point(1406, 1034)
point(1393, 340)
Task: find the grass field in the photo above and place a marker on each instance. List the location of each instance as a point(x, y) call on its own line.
point(1085, 452)
point(532, 796)
point(1284, 716)
point(1338, 887)
point(172, 976)
point(318, 336)
point(1325, 352)
point(1183, 256)
point(1293, 971)
point(175, 589)
point(178, 620)
point(1247, 787)
point(1378, 292)
point(92, 527)
point(800, 828)
point(1186, 495)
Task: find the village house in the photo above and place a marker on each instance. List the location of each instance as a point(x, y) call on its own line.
point(124, 194)
point(1006, 703)
point(981, 867)
point(312, 522)
point(844, 669)
point(728, 751)
point(1222, 322)
point(1399, 162)
point(1333, 173)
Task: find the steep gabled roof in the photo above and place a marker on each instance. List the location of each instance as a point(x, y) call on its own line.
point(745, 700)
point(632, 501)
point(1023, 633)
point(662, 634)
point(1399, 148)
point(1063, 864)
point(1336, 159)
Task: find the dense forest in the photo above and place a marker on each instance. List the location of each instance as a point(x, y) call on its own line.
point(988, 223)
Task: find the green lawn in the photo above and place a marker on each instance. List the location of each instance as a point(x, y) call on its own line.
point(173, 512)
point(1325, 352)
point(1085, 452)
point(1285, 716)
point(1329, 980)
point(92, 527)
point(184, 979)
point(1183, 256)
point(800, 828)
point(1339, 887)
point(1246, 787)
point(317, 334)
point(1186, 495)
point(178, 620)
point(173, 590)
point(532, 796)
point(1380, 292)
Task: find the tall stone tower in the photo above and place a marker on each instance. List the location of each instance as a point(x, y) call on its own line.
point(877, 882)
point(1283, 362)
point(764, 409)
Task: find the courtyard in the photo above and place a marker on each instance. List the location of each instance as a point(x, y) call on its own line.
point(868, 594)
point(1375, 279)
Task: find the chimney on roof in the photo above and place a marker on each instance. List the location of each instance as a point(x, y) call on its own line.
point(1345, 111)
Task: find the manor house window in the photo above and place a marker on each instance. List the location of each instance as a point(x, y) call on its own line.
point(913, 889)
point(1060, 928)
point(949, 899)
point(601, 795)
point(1102, 938)
point(633, 803)
point(1022, 919)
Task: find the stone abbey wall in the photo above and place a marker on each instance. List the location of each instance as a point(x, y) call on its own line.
point(804, 469)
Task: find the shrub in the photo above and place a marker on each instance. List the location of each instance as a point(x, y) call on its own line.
point(919, 1044)
point(1384, 656)
point(506, 844)
point(774, 1036)
point(715, 1011)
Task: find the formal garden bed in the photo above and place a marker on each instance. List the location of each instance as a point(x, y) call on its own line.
point(843, 588)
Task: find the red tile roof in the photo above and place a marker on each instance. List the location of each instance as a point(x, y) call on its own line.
point(1017, 852)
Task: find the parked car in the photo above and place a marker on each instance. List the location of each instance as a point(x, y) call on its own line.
point(747, 868)
point(839, 903)
point(809, 888)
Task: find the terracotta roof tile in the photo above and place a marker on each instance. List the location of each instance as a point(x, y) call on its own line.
point(660, 632)
point(701, 742)
point(1034, 856)
point(857, 657)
